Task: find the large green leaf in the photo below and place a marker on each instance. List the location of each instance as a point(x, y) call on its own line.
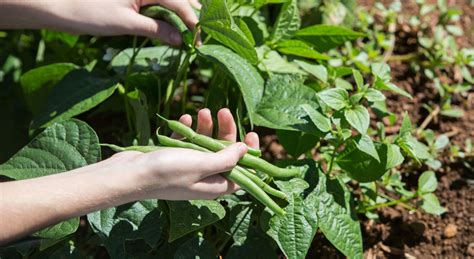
point(160, 59)
point(217, 21)
point(250, 82)
point(137, 100)
point(38, 83)
point(336, 216)
point(296, 142)
point(62, 147)
point(280, 107)
point(133, 221)
point(294, 231)
point(272, 62)
point(300, 49)
point(325, 37)
point(359, 118)
point(336, 98)
point(287, 23)
point(189, 216)
point(197, 248)
point(78, 92)
point(364, 167)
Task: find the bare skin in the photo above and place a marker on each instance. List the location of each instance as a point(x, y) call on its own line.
point(97, 17)
point(170, 174)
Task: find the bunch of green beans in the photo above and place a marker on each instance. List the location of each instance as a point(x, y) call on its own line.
point(241, 175)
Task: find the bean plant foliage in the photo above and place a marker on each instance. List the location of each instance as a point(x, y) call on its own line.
point(273, 70)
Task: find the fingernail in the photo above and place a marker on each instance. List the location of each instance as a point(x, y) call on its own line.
point(175, 38)
point(243, 148)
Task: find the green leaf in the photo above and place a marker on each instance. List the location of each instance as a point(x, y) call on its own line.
point(189, 216)
point(272, 61)
point(132, 221)
point(374, 95)
point(280, 107)
point(287, 23)
point(359, 118)
point(250, 82)
point(300, 49)
point(78, 92)
point(365, 144)
point(358, 79)
point(295, 142)
point(405, 129)
point(38, 83)
point(318, 71)
point(245, 29)
point(430, 204)
point(336, 214)
point(363, 167)
point(139, 105)
point(427, 182)
point(325, 37)
point(69, 39)
point(394, 156)
point(322, 122)
point(195, 248)
point(160, 59)
point(59, 230)
point(295, 230)
point(336, 98)
point(381, 70)
point(217, 21)
point(452, 112)
point(62, 147)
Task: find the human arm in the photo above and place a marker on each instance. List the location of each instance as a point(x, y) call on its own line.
point(102, 18)
point(172, 174)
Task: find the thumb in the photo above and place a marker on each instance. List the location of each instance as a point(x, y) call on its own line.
point(156, 29)
point(226, 159)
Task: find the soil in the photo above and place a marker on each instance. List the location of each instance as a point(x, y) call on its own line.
point(399, 233)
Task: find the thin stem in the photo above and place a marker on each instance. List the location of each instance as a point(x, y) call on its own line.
point(333, 156)
point(427, 120)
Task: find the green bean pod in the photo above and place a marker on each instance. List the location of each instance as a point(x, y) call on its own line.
point(251, 151)
point(144, 149)
point(235, 176)
point(215, 146)
point(251, 187)
point(260, 183)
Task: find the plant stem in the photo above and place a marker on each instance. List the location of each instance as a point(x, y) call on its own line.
point(333, 156)
point(427, 120)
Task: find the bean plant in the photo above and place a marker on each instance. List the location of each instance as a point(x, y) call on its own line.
point(275, 70)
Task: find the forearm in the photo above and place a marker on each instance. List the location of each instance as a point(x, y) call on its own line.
point(27, 14)
point(30, 205)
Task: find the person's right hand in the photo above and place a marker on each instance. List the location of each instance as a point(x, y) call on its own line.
point(183, 174)
point(98, 17)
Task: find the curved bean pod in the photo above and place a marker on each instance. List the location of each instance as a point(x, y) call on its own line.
point(263, 185)
point(215, 146)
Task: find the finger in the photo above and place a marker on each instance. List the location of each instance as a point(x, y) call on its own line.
point(204, 124)
point(251, 139)
point(227, 128)
point(182, 8)
point(187, 120)
point(156, 29)
point(195, 4)
point(224, 160)
point(214, 186)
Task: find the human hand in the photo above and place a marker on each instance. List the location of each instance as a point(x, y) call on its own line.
point(101, 18)
point(182, 174)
